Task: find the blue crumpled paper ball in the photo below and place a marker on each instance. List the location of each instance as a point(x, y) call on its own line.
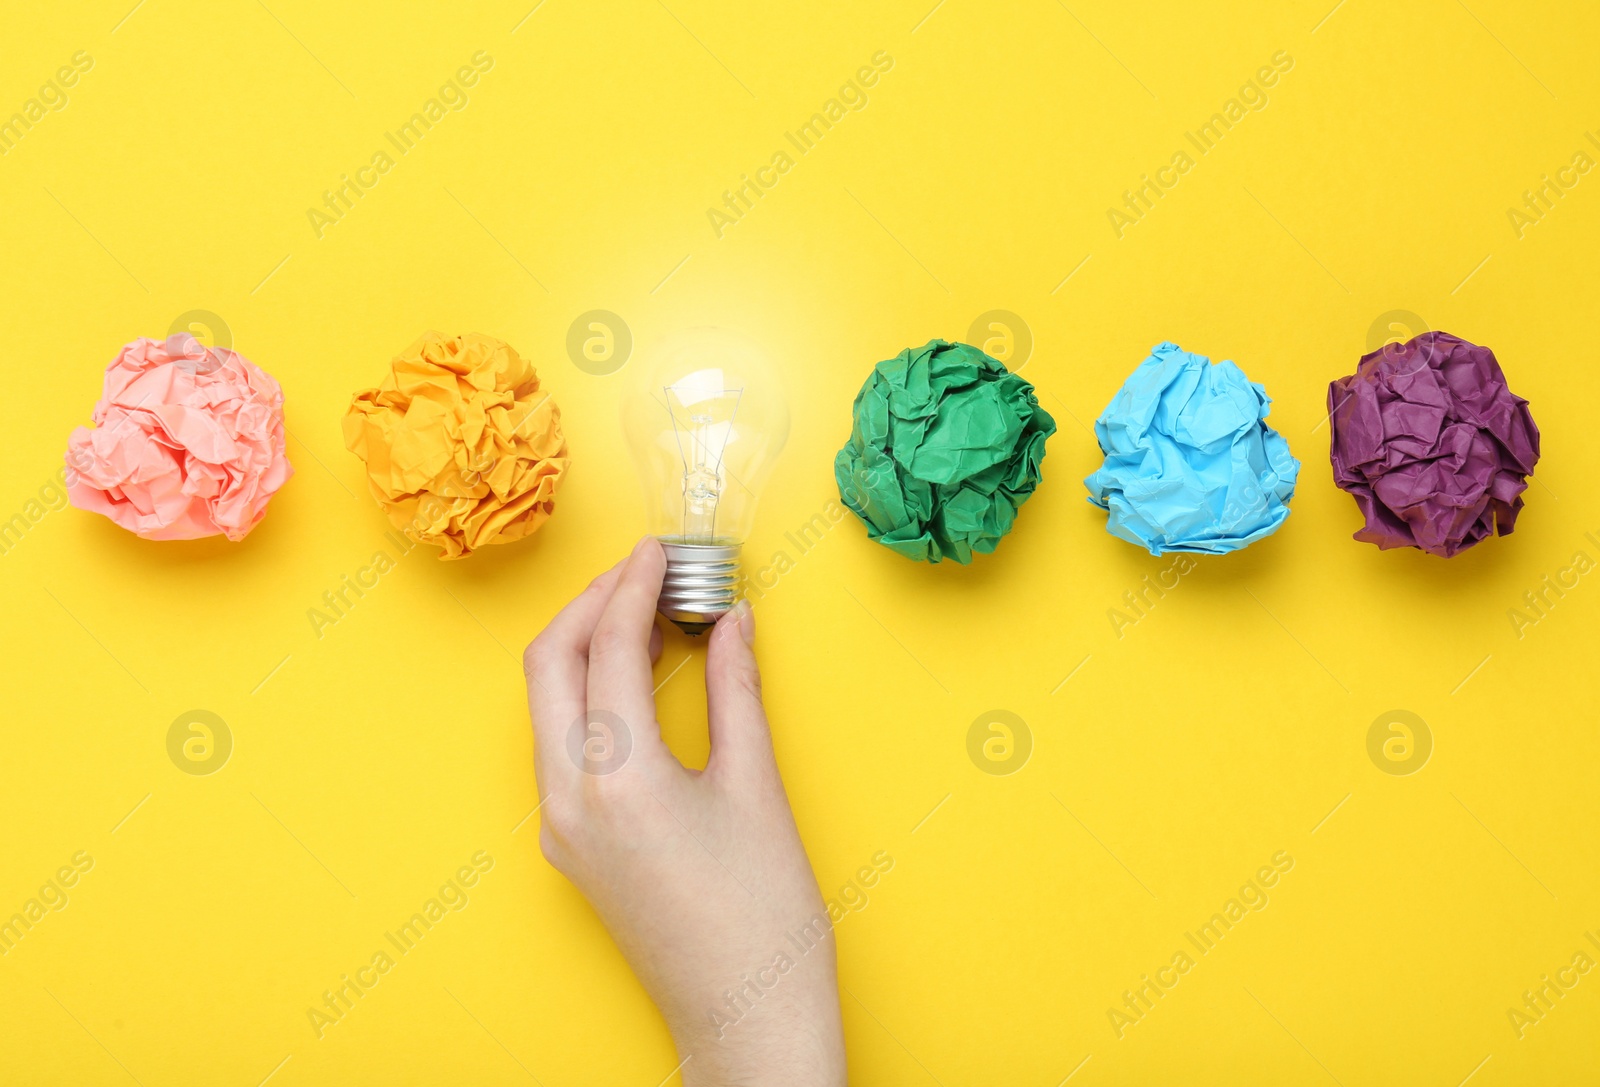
point(1190, 464)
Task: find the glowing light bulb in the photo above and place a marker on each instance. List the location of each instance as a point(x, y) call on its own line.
point(706, 419)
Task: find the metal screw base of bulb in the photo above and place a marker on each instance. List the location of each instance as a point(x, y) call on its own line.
point(702, 582)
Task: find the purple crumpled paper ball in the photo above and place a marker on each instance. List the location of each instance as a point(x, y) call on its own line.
point(1432, 444)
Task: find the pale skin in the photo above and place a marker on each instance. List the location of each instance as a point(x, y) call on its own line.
point(699, 876)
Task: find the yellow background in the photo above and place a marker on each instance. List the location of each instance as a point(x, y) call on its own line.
point(1226, 725)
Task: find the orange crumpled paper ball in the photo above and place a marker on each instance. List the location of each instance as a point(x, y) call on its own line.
point(187, 442)
point(461, 446)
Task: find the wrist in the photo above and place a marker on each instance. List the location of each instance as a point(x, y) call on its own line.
point(796, 1045)
point(785, 1062)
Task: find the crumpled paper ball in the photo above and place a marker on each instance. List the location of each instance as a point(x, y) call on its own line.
point(1190, 464)
point(188, 442)
point(461, 446)
point(945, 445)
point(1432, 444)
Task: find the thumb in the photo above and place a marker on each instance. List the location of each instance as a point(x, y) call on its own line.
point(740, 740)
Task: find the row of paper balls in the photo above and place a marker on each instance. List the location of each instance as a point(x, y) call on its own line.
point(463, 449)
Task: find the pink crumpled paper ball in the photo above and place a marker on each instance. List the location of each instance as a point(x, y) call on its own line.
point(188, 442)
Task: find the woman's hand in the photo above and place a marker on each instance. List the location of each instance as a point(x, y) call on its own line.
point(699, 875)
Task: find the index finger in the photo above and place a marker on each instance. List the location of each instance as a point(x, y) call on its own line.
point(556, 666)
point(619, 664)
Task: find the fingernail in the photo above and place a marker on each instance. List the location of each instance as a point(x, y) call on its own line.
point(639, 547)
point(746, 618)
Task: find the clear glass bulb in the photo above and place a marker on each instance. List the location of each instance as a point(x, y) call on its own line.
point(706, 419)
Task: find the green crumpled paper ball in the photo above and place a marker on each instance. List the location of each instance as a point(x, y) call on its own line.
point(945, 445)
